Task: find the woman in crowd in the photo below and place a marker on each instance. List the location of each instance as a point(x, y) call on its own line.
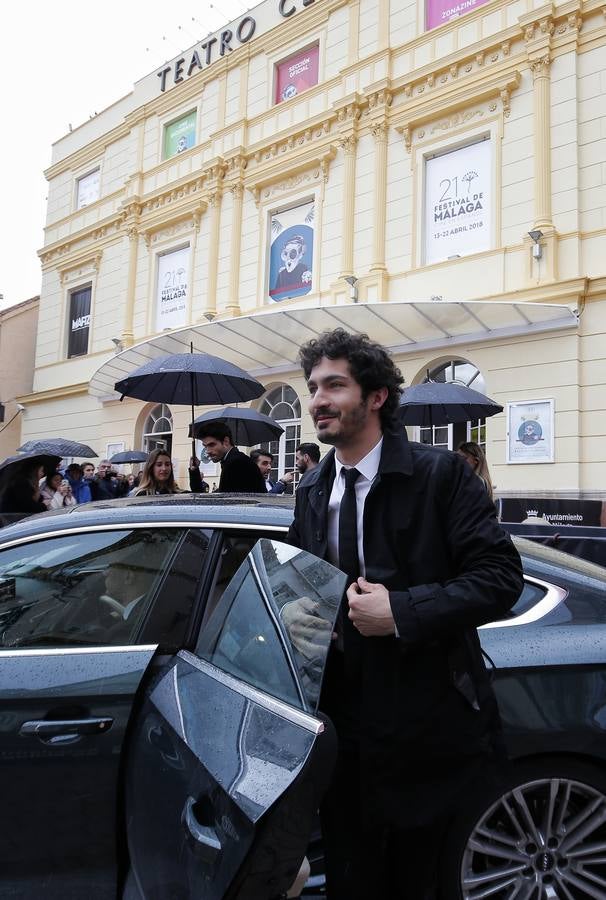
point(157, 477)
point(476, 458)
point(56, 492)
point(21, 494)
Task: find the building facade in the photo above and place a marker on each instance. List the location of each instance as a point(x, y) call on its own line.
point(18, 326)
point(427, 171)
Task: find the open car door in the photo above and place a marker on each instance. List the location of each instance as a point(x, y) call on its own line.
point(229, 759)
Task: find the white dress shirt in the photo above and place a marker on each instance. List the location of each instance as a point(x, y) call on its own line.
point(368, 468)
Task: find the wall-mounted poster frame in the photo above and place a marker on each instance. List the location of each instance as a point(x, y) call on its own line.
point(297, 73)
point(459, 200)
point(172, 279)
point(291, 251)
point(530, 431)
point(179, 135)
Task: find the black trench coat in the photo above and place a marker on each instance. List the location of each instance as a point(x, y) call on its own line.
point(426, 712)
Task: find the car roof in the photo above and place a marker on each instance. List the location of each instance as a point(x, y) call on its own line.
point(186, 509)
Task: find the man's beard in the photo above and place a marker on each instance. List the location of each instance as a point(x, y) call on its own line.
point(352, 423)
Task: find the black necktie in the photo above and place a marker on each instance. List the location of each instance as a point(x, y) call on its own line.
point(348, 528)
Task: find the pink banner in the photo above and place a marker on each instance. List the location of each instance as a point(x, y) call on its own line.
point(438, 12)
point(296, 74)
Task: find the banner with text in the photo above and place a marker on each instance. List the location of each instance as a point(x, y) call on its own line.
point(458, 202)
point(297, 73)
point(171, 304)
point(438, 12)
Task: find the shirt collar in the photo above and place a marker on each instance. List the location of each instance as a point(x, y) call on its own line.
point(367, 467)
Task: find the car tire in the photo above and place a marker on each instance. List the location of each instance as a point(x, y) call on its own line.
point(541, 834)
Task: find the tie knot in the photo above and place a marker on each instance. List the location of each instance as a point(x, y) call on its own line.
point(351, 476)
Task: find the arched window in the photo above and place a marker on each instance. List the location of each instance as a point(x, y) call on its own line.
point(450, 436)
point(283, 405)
point(158, 429)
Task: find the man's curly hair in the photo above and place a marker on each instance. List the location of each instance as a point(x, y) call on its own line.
point(369, 363)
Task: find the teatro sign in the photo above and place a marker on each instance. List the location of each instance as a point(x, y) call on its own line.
point(220, 43)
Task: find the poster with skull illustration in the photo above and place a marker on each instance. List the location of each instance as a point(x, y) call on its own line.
point(291, 252)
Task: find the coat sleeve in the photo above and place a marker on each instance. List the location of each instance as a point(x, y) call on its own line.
point(487, 571)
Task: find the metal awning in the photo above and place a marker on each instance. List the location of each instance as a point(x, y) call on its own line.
point(266, 343)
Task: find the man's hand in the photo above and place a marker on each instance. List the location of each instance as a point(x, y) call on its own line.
point(370, 609)
point(194, 462)
point(287, 478)
point(307, 630)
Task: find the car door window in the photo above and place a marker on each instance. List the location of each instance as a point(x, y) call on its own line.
point(83, 589)
point(273, 625)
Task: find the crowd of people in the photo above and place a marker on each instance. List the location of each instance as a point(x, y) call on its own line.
point(35, 488)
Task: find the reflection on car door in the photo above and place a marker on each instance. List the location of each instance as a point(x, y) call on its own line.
point(228, 759)
point(70, 668)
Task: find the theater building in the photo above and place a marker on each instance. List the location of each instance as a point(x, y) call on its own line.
point(432, 173)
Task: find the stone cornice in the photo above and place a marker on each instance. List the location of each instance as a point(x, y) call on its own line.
point(69, 390)
point(315, 158)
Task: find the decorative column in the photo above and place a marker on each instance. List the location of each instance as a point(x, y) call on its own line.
point(542, 141)
point(233, 300)
point(348, 144)
point(214, 202)
point(379, 132)
point(131, 214)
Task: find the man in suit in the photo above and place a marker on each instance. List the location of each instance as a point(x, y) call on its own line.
point(239, 473)
point(264, 459)
point(405, 683)
point(307, 457)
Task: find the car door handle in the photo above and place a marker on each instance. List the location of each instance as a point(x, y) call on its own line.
point(65, 730)
point(202, 838)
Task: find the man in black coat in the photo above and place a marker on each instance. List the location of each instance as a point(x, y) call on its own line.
point(405, 685)
point(238, 472)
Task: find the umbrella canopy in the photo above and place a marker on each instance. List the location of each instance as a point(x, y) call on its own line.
point(13, 464)
point(60, 447)
point(129, 456)
point(247, 425)
point(443, 403)
point(198, 379)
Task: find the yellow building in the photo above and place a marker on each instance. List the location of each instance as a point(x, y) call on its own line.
point(431, 172)
point(18, 326)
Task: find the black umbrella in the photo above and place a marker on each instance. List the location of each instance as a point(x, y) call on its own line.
point(61, 447)
point(129, 456)
point(196, 379)
point(443, 403)
point(247, 425)
point(14, 464)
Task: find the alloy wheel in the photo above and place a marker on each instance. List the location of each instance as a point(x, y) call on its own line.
point(543, 840)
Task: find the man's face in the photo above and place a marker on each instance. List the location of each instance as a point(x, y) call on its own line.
point(88, 470)
point(215, 448)
point(104, 467)
point(339, 413)
point(291, 254)
point(301, 462)
point(264, 463)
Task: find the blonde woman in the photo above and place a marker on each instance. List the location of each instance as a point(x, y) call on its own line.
point(475, 456)
point(157, 477)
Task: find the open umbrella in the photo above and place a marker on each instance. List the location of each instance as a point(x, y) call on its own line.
point(60, 447)
point(13, 464)
point(443, 403)
point(129, 456)
point(247, 425)
point(196, 379)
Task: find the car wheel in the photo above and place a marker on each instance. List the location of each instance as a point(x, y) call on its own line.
point(541, 836)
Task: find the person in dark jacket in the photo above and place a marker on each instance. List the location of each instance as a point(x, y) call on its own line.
point(21, 492)
point(105, 485)
point(264, 460)
point(238, 472)
point(405, 684)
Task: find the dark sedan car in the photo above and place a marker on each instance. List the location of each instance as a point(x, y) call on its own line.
point(159, 731)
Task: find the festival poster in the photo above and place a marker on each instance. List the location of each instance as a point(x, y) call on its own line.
point(180, 135)
point(438, 12)
point(458, 202)
point(171, 297)
point(297, 73)
point(291, 252)
point(530, 432)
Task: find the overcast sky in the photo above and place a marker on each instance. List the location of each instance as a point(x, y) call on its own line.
point(62, 62)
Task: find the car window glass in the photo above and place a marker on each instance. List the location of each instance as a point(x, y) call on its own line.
point(82, 589)
point(530, 596)
point(273, 625)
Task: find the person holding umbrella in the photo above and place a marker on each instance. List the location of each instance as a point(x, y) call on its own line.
point(239, 473)
point(21, 490)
